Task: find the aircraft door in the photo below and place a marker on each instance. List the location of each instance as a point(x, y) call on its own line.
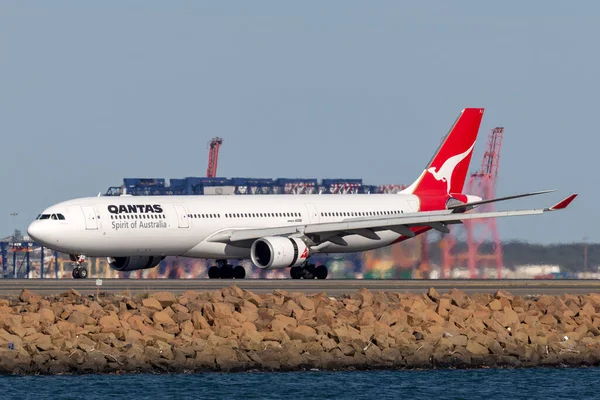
point(182, 217)
point(313, 213)
point(91, 220)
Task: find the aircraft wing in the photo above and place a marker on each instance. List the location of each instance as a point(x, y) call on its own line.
point(368, 227)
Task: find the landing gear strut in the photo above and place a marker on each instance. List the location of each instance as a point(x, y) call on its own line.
point(79, 272)
point(309, 271)
point(226, 271)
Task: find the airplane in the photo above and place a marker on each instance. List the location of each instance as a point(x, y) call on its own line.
point(274, 231)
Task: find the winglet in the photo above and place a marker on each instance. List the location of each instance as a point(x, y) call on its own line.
point(563, 203)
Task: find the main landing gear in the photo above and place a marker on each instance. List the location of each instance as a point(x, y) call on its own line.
point(226, 271)
point(79, 272)
point(309, 271)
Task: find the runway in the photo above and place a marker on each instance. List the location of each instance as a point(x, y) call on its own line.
point(330, 286)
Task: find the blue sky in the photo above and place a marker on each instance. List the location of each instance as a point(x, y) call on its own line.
point(93, 92)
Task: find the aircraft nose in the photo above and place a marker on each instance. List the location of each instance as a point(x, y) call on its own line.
point(36, 232)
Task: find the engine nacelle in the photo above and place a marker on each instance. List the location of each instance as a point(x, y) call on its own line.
point(133, 263)
point(274, 252)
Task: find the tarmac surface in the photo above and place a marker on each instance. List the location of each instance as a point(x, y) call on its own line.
point(330, 286)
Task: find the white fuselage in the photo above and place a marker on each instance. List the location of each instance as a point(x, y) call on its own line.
point(180, 225)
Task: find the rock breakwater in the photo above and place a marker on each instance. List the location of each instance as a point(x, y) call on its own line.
point(234, 329)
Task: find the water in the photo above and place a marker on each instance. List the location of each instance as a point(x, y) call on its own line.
point(547, 384)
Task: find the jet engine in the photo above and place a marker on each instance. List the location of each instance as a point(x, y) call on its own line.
point(273, 252)
point(133, 263)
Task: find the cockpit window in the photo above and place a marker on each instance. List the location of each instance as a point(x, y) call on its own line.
point(51, 216)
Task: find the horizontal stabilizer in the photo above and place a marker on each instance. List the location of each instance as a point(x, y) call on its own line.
point(467, 206)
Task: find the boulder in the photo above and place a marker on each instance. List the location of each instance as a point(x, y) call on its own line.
point(281, 322)
point(431, 315)
point(222, 311)
point(495, 305)
point(165, 299)
point(77, 318)
point(347, 333)
point(365, 297)
point(199, 321)
point(457, 340)
point(477, 349)
point(366, 317)
point(303, 333)
point(252, 298)
point(152, 304)
point(159, 335)
point(433, 294)
point(251, 340)
point(306, 303)
point(27, 296)
point(226, 358)
point(110, 323)
point(163, 318)
point(459, 298)
point(548, 320)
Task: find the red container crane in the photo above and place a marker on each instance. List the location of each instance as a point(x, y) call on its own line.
point(478, 232)
point(213, 157)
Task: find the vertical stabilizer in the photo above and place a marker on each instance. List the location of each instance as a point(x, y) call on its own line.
point(447, 170)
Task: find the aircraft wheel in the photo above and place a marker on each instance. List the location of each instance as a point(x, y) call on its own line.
point(239, 272)
point(75, 273)
point(83, 273)
point(213, 272)
point(321, 272)
point(309, 271)
point(296, 272)
point(226, 272)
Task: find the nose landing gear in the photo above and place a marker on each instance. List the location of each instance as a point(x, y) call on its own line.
point(79, 272)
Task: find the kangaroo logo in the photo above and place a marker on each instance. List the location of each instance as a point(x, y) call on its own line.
point(304, 253)
point(444, 174)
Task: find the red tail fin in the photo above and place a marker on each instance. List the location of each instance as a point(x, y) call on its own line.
point(447, 170)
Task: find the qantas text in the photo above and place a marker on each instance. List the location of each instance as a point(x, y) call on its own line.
point(134, 208)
